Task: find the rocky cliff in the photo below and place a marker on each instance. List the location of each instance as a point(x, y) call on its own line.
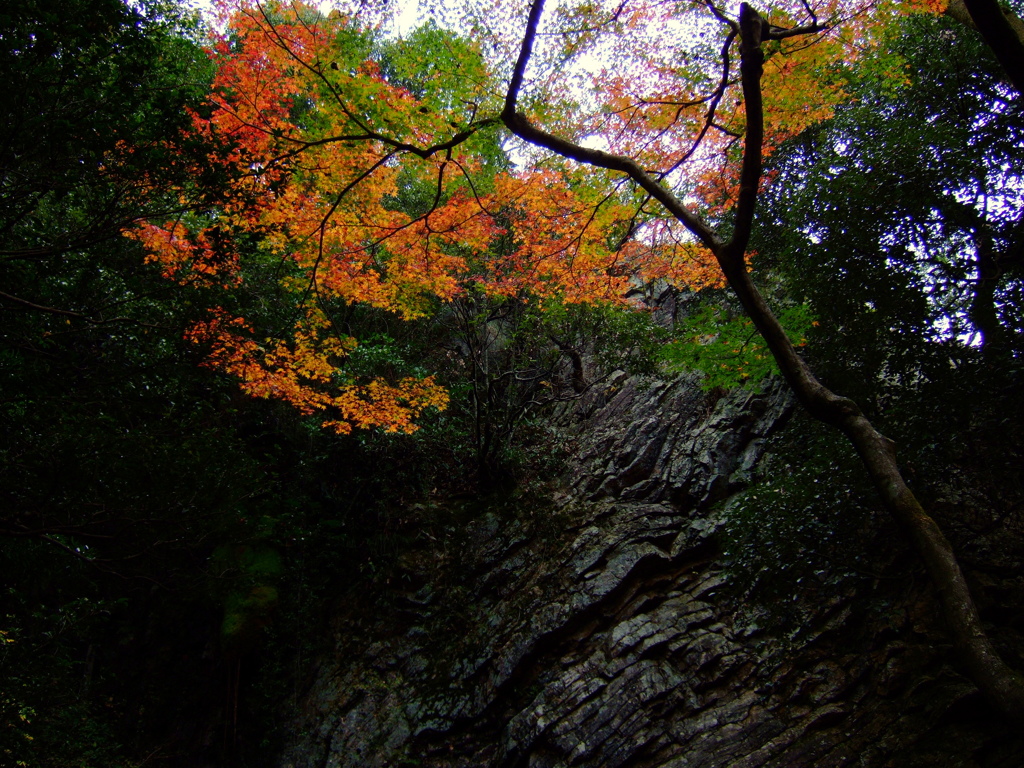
point(599, 627)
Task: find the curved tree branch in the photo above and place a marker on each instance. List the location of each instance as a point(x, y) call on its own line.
point(516, 122)
point(1000, 684)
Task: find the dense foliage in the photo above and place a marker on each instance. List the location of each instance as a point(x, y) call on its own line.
point(215, 244)
point(898, 224)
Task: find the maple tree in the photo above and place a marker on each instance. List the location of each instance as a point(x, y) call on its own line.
point(117, 469)
point(372, 176)
point(376, 175)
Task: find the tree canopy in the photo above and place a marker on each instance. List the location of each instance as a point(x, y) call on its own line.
point(684, 123)
point(432, 236)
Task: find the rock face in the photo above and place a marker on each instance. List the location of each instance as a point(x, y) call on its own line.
point(598, 628)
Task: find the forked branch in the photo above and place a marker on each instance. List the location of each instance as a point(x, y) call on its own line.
point(1001, 685)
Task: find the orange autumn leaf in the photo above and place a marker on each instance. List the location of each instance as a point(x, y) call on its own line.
point(302, 373)
point(377, 179)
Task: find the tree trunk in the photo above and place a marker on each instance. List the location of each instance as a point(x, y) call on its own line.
point(1002, 30)
point(1002, 685)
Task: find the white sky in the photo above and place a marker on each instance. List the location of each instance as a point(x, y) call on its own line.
point(405, 20)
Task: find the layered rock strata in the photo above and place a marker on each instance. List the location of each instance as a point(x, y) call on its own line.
point(599, 629)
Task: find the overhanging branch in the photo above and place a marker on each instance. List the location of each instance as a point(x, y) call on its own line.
point(1001, 684)
point(520, 125)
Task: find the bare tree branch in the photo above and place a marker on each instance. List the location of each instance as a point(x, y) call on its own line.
point(1002, 685)
point(516, 122)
